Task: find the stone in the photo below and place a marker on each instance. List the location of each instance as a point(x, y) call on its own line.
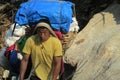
point(96, 49)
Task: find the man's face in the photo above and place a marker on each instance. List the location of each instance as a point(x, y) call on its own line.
point(43, 33)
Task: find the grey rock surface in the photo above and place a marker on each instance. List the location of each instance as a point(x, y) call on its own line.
point(96, 49)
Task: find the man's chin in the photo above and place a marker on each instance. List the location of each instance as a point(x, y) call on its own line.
point(43, 40)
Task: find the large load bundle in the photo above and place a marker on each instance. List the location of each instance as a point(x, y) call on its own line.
point(59, 13)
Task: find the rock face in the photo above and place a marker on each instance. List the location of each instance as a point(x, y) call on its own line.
point(96, 49)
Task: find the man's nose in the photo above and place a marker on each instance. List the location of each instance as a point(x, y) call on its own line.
point(42, 34)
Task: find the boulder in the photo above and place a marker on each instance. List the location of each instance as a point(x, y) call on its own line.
point(96, 49)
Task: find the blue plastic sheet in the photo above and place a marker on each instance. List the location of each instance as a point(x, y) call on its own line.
point(59, 13)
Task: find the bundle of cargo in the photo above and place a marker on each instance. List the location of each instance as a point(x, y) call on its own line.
point(59, 13)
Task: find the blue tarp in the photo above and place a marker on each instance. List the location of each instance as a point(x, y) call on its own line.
point(58, 12)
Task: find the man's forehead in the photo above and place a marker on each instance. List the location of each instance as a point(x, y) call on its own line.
point(42, 29)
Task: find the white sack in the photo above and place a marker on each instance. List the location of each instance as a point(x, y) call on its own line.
point(18, 32)
point(10, 41)
point(74, 25)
